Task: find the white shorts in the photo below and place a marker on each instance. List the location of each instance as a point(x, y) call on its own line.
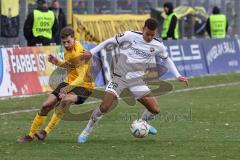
point(137, 87)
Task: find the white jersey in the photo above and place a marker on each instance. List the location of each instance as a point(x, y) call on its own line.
point(140, 50)
point(134, 53)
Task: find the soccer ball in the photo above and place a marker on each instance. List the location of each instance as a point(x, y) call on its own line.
point(139, 128)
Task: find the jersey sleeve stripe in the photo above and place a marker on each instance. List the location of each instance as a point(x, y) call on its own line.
point(116, 39)
point(137, 32)
point(158, 40)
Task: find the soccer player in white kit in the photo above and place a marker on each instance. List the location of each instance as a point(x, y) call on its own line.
point(139, 49)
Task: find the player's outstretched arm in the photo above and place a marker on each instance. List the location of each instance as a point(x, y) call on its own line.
point(85, 56)
point(103, 44)
point(173, 69)
point(52, 59)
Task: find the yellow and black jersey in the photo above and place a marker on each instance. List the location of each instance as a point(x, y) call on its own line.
point(78, 69)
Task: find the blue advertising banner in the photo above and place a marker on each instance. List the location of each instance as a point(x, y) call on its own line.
point(188, 56)
point(192, 58)
point(97, 70)
point(222, 55)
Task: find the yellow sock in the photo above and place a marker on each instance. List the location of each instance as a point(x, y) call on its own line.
point(53, 122)
point(37, 122)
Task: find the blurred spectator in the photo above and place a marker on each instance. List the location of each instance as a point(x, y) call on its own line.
point(80, 6)
point(9, 18)
point(199, 26)
point(144, 6)
point(102, 7)
point(61, 19)
point(170, 24)
point(232, 18)
point(125, 4)
point(217, 24)
point(41, 25)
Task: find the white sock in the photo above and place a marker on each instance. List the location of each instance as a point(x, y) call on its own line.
point(147, 116)
point(95, 117)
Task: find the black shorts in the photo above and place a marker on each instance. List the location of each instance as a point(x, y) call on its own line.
point(81, 92)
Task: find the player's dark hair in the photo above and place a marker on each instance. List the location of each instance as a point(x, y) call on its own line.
point(151, 24)
point(66, 31)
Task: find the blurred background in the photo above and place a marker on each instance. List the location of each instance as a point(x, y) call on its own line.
point(190, 26)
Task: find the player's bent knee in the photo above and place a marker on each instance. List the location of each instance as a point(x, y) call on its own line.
point(104, 108)
point(155, 110)
point(46, 107)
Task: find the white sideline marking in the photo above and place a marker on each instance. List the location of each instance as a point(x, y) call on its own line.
point(176, 91)
point(206, 87)
point(31, 110)
point(20, 111)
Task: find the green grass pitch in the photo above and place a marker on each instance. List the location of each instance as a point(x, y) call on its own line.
point(198, 124)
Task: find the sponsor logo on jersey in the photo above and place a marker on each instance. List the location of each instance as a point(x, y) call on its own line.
point(141, 53)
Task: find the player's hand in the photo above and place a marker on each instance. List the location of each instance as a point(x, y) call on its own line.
point(62, 93)
point(52, 59)
point(183, 79)
point(86, 55)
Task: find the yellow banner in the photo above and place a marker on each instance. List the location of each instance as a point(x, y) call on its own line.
point(97, 28)
point(182, 11)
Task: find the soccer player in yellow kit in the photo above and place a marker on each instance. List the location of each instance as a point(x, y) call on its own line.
point(77, 87)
